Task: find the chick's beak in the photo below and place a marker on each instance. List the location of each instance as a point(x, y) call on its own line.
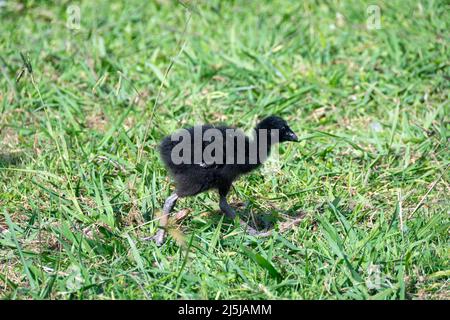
point(291, 136)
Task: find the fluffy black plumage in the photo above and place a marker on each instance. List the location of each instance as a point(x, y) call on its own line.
point(231, 158)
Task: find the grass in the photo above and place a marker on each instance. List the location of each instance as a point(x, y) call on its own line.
point(81, 182)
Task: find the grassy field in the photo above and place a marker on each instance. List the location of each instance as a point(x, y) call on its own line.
point(81, 114)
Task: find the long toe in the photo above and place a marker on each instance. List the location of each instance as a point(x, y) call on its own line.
point(250, 230)
point(159, 237)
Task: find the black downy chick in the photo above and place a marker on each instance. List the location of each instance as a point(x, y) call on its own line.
point(234, 154)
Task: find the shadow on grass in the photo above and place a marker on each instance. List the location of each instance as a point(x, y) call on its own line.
point(13, 158)
point(264, 222)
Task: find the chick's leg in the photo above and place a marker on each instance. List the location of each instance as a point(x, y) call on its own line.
point(230, 213)
point(226, 208)
point(168, 206)
point(223, 203)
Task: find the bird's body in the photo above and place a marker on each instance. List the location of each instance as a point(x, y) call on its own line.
point(195, 177)
point(208, 157)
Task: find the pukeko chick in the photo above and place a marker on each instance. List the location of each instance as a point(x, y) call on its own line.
point(211, 157)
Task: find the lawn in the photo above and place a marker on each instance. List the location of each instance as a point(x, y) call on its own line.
point(85, 100)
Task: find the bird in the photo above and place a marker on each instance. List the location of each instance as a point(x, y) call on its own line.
point(206, 157)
